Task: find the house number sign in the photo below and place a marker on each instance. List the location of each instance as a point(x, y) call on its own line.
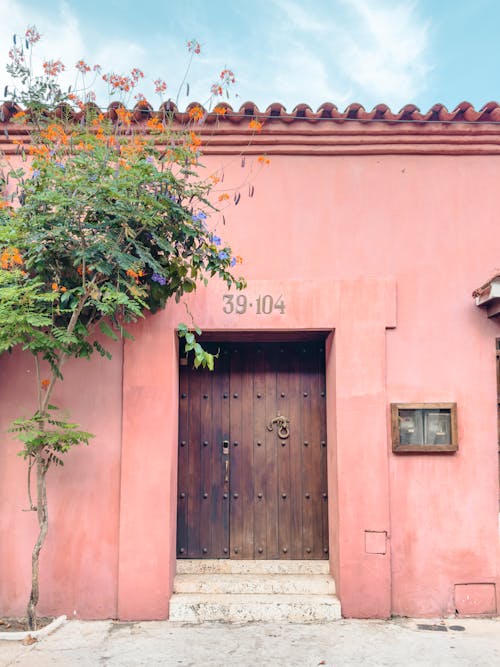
point(263, 304)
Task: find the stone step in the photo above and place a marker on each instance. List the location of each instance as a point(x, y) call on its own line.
point(199, 608)
point(300, 584)
point(229, 566)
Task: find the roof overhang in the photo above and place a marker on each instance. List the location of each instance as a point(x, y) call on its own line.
point(488, 296)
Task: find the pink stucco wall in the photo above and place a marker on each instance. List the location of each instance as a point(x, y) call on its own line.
point(383, 250)
point(79, 561)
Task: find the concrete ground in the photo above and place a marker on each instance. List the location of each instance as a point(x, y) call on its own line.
point(465, 642)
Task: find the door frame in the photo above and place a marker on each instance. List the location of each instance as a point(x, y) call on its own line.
point(193, 477)
point(358, 313)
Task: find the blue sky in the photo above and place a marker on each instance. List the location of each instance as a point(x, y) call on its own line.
point(290, 51)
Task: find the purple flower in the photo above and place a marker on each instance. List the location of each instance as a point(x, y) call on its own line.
point(233, 261)
point(216, 240)
point(36, 173)
point(60, 164)
point(199, 217)
point(150, 159)
point(223, 255)
point(158, 278)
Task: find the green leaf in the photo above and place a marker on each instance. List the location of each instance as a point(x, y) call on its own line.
point(210, 361)
point(107, 330)
point(125, 334)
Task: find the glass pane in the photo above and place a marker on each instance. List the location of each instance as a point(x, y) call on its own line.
point(437, 427)
point(411, 427)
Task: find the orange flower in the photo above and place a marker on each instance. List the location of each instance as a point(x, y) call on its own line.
point(55, 134)
point(55, 287)
point(155, 124)
point(45, 383)
point(255, 125)
point(215, 179)
point(227, 77)
point(194, 142)
point(160, 86)
point(20, 115)
point(16, 257)
point(98, 120)
point(5, 259)
point(64, 289)
point(194, 139)
point(83, 146)
point(194, 46)
point(223, 196)
point(135, 274)
point(123, 83)
point(137, 74)
point(53, 67)
point(82, 67)
point(239, 259)
point(32, 34)
point(221, 111)
point(76, 100)
point(10, 258)
point(196, 113)
point(40, 151)
point(262, 159)
point(4, 204)
point(122, 162)
point(124, 116)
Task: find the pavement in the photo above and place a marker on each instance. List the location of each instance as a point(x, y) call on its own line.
point(465, 642)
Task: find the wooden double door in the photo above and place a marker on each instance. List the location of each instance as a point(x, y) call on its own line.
point(252, 479)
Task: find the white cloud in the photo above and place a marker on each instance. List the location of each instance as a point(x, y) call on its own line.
point(296, 16)
point(63, 39)
point(61, 34)
point(309, 51)
point(387, 52)
point(349, 50)
point(306, 77)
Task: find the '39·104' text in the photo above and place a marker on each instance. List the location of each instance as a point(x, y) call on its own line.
point(264, 304)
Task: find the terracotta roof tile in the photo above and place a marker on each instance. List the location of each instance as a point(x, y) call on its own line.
point(327, 130)
point(463, 112)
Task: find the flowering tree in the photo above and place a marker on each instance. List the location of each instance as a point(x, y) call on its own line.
point(105, 219)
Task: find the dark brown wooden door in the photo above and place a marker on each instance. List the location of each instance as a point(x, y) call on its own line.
point(244, 491)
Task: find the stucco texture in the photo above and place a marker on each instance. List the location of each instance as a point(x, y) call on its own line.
point(382, 250)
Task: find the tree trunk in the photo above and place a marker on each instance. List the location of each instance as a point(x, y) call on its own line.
point(43, 523)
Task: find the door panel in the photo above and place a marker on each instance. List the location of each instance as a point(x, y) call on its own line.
point(203, 492)
point(241, 517)
point(275, 504)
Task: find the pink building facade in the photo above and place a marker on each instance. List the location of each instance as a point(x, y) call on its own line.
point(372, 229)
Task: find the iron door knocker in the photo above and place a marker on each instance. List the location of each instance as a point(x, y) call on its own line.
point(283, 429)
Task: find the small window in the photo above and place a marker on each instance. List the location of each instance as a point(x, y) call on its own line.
point(424, 427)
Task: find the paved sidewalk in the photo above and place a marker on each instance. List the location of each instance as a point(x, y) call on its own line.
point(338, 644)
